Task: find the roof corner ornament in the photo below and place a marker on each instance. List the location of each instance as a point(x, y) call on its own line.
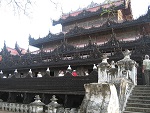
point(95, 67)
point(1, 72)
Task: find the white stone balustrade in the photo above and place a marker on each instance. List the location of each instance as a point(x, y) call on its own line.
point(10, 106)
point(73, 110)
point(3, 106)
point(67, 110)
point(15, 107)
point(6, 106)
point(26, 108)
point(22, 108)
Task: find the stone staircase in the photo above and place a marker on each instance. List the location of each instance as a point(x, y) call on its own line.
point(139, 100)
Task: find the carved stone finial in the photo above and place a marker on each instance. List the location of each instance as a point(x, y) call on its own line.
point(127, 54)
point(1, 72)
point(16, 71)
point(94, 67)
point(48, 70)
point(69, 67)
point(37, 97)
point(104, 58)
point(112, 64)
point(53, 98)
point(30, 71)
point(53, 105)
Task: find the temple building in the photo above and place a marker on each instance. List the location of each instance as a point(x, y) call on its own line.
point(86, 35)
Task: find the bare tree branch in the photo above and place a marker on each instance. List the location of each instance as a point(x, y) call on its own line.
point(18, 6)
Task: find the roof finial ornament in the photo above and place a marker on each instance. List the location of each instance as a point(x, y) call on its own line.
point(69, 69)
point(48, 70)
point(113, 33)
point(28, 50)
point(1, 72)
point(104, 58)
point(30, 71)
point(4, 43)
point(127, 54)
point(64, 36)
point(143, 31)
point(94, 67)
point(16, 71)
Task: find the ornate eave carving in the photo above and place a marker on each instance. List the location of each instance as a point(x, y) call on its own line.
point(66, 54)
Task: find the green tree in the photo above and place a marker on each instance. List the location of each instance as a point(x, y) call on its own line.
point(110, 10)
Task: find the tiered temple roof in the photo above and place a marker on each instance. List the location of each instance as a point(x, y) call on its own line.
point(92, 11)
point(104, 28)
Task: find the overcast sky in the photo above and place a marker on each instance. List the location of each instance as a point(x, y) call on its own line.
point(14, 27)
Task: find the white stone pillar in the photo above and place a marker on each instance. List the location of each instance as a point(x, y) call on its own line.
point(102, 70)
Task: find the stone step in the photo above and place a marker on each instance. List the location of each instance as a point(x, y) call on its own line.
point(142, 87)
point(138, 101)
point(137, 109)
point(138, 105)
point(140, 97)
point(140, 93)
point(140, 90)
point(134, 112)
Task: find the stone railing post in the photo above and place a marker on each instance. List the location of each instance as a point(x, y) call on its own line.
point(26, 109)
point(14, 107)
point(102, 70)
point(1, 102)
point(112, 72)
